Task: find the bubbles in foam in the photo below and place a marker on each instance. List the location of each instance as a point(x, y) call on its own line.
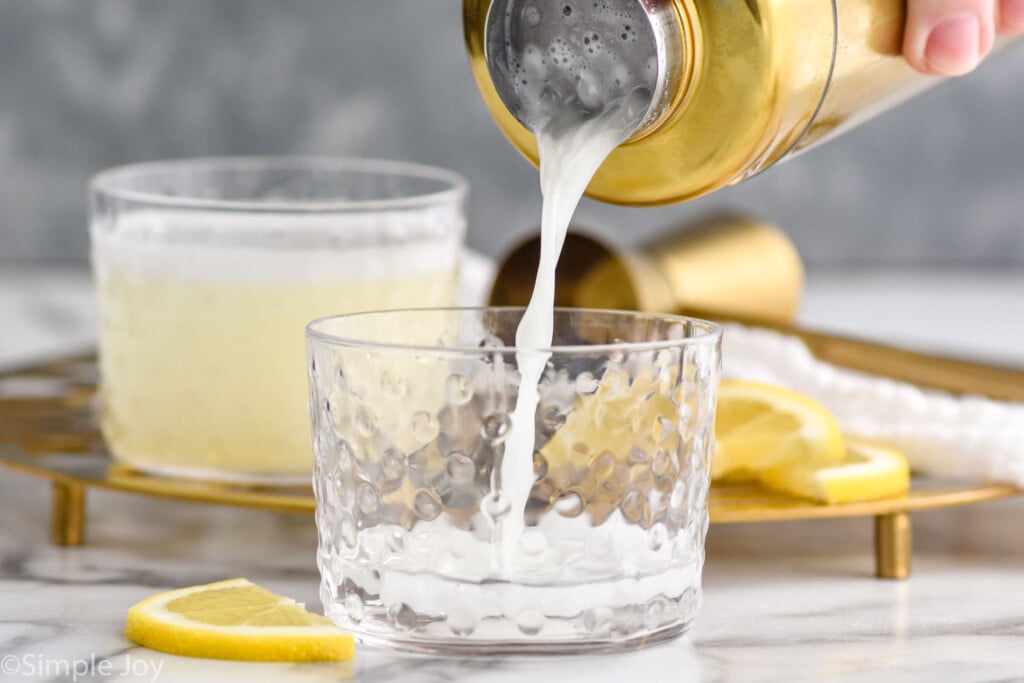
point(586, 61)
point(266, 248)
point(588, 89)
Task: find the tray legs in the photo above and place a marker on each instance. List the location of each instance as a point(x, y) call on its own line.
point(892, 531)
point(892, 545)
point(67, 514)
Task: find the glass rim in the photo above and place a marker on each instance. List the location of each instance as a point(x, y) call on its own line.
point(106, 183)
point(712, 333)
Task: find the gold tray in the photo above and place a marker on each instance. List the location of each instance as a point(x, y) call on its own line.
point(48, 429)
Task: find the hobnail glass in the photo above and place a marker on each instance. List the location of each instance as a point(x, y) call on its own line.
point(422, 545)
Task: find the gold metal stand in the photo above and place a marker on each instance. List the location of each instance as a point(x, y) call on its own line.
point(735, 503)
point(67, 514)
point(52, 434)
point(892, 546)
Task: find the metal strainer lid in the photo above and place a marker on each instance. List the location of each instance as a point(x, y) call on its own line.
point(583, 56)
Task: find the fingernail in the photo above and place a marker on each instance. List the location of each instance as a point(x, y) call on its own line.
point(953, 45)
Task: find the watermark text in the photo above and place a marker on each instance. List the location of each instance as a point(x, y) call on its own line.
point(37, 665)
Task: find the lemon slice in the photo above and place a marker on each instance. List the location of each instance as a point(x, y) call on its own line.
point(869, 472)
point(235, 619)
point(621, 416)
point(761, 426)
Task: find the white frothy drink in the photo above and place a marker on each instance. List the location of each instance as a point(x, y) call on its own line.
point(571, 146)
point(582, 101)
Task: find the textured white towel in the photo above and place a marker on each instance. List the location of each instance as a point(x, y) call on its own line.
point(941, 434)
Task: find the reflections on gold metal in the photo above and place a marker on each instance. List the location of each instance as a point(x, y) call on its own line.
point(55, 437)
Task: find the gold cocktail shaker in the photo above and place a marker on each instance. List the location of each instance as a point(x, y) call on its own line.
point(723, 264)
point(734, 85)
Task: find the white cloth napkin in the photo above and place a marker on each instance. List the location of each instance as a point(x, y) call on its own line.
point(476, 273)
point(941, 434)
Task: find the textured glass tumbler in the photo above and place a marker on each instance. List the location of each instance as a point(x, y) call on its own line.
point(207, 272)
point(428, 538)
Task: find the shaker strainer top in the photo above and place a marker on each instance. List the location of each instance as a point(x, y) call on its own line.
point(580, 57)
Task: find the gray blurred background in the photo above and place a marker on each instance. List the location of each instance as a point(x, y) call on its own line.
point(86, 84)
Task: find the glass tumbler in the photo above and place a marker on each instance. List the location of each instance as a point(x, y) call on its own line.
point(448, 524)
point(208, 271)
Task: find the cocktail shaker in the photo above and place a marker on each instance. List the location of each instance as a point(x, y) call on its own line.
point(733, 86)
point(726, 264)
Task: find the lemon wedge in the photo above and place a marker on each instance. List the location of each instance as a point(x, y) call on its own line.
point(620, 417)
point(761, 426)
point(868, 472)
point(235, 619)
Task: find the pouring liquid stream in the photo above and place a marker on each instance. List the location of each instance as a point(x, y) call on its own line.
point(572, 148)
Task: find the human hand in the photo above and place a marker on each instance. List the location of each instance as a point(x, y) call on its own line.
point(951, 37)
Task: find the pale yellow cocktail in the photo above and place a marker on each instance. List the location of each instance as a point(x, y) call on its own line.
point(202, 319)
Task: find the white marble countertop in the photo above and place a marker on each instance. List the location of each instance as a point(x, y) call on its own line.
point(783, 601)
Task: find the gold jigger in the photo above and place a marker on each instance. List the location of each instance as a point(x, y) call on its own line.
point(725, 264)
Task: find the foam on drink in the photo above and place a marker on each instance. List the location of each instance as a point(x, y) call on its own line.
point(579, 68)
